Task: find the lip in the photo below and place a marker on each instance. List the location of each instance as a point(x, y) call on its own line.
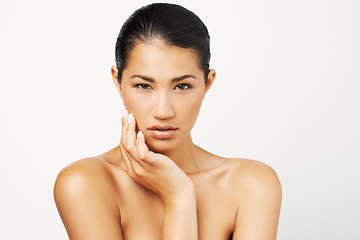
point(162, 131)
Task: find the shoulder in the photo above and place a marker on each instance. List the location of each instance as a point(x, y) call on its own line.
point(254, 177)
point(258, 197)
point(81, 178)
point(84, 196)
point(81, 172)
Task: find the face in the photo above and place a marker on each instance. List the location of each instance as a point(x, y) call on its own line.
point(164, 88)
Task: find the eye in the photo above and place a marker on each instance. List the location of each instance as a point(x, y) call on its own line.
point(143, 86)
point(182, 87)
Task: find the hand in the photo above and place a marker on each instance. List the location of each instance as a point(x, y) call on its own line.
point(153, 171)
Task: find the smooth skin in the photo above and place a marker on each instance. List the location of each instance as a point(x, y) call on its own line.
point(154, 188)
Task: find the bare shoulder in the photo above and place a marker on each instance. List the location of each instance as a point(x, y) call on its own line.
point(258, 194)
point(81, 174)
point(254, 177)
point(81, 179)
point(84, 195)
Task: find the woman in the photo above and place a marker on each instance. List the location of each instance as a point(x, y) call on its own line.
point(157, 184)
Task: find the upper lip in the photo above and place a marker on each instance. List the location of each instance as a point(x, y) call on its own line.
point(167, 127)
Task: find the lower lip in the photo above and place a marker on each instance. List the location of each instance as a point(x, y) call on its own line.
point(162, 134)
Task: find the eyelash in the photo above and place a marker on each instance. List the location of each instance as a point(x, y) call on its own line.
point(180, 87)
point(143, 86)
point(185, 86)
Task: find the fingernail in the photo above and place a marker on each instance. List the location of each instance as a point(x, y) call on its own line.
point(123, 112)
point(130, 117)
point(139, 134)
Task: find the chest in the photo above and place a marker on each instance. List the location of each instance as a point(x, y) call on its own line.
point(142, 212)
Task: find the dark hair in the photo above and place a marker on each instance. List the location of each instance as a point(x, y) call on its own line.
point(170, 23)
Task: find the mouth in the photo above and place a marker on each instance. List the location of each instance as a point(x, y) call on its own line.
point(162, 127)
point(162, 131)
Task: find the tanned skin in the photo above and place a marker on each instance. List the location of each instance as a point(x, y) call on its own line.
point(157, 184)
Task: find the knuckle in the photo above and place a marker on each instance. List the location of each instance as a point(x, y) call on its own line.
point(137, 170)
point(127, 127)
point(142, 157)
point(146, 156)
point(132, 174)
point(128, 149)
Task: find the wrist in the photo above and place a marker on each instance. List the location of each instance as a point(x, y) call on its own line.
point(184, 197)
point(180, 219)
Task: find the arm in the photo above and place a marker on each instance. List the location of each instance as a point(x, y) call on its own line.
point(161, 175)
point(259, 209)
point(180, 220)
point(85, 204)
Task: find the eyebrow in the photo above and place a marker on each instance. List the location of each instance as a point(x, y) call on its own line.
point(177, 79)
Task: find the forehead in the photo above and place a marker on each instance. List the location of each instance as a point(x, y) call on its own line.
point(161, 61)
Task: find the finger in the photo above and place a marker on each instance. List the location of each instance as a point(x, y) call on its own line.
point(131, 142)
point(126, 145)
point(124, 114)
point(141, 148)
point(130, 136)
point(145, 155)
point(124, 157)
point(135, 169)
point(132, 167)
point(128, 150)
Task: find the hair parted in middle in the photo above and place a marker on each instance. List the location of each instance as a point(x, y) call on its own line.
point(172, 24)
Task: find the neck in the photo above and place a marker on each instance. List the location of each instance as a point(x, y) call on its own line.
point(185, 156)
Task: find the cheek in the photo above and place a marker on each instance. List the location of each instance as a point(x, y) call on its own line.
point(137, 105)
point(191, 107)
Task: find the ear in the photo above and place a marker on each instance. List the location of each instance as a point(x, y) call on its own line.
point(115, 74)
point(210, 79)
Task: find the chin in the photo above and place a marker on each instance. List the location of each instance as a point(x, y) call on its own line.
point(161, 146)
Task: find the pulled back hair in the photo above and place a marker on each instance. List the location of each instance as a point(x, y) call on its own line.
point(174, 25)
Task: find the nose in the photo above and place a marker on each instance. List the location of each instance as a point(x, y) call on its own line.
point(163, 108)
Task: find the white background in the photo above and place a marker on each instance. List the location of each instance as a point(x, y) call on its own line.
point(286, 93)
